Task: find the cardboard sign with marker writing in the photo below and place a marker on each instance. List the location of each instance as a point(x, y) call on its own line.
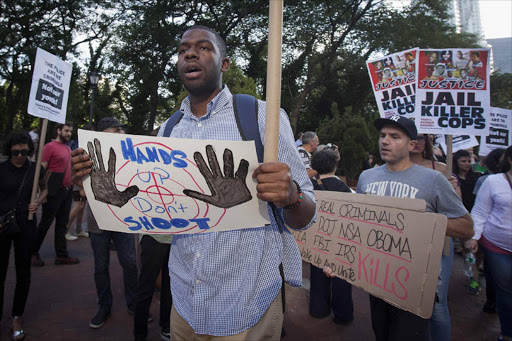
point(387, 246)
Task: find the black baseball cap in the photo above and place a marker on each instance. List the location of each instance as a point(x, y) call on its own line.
point(402, 123)
point(108, 122)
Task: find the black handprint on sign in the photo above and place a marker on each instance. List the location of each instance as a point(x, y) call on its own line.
point(228, 190)
point(102, 182)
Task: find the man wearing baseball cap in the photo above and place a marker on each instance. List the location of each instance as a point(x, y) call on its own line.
point(400, 177)
point(125, 247)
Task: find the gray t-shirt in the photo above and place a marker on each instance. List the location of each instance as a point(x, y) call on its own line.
point(416, 182)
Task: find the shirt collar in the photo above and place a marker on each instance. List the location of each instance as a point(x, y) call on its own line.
point(223, 98)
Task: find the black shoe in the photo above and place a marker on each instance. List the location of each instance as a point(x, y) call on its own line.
point(66, 260)
point(150, 317)
point(489, 307)
point(339, 321)
point(165, 334)
point(99, 319)
point(36, 260)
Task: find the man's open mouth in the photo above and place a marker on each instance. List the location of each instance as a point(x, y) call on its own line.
point(192, 71)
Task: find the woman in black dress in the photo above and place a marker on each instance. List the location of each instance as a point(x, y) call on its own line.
point(16, 180)
point(329, 293)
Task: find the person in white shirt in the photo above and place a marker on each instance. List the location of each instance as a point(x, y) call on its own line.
point(492, 218)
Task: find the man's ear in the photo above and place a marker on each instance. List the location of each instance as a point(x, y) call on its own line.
point(225, 64)
point(412, 144)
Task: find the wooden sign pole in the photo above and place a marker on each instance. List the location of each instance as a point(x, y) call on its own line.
point(37, 172)
point(275, 28)
point(449, 170)
point(449, 155)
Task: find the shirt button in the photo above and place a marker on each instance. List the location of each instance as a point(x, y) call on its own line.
point(199, 124)
point(198, 281)
point(198, 255)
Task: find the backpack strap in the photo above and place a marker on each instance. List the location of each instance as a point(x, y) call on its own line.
point(171, 122)
point(245, 108)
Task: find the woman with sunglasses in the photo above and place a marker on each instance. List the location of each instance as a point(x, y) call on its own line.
point(16, 180)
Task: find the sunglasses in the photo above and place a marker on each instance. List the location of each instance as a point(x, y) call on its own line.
point(420, 138)
point(17, 152)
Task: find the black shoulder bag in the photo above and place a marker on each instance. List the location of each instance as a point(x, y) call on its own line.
point(8, 224)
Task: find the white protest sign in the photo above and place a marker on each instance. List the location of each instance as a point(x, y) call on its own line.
point(387, 246)
point(453, 92)
point(155, 185)
point(499, 131)
point(394, 83)
point(459, 142)
point(50, 87)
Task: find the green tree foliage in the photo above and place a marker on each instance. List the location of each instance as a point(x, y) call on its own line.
point(51, 25)
point(350, 133)
point(501, 90)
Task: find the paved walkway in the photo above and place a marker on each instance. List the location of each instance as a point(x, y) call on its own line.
point(62, 301)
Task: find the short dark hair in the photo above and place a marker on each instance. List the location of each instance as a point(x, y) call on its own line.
point(492, 161)
point(308, 137)
point(325, 161)
point(505, 164)
point(61, 125)
point(475, 53)
point(18, 138)
point(218, 39)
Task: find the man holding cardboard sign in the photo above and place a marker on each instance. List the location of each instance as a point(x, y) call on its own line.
point(228, 284)
point(399, 177)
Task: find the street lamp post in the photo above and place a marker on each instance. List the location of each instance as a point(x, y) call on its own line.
point(94, 77)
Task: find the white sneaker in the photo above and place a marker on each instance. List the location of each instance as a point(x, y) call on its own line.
point(70, 237)
point(83, 234)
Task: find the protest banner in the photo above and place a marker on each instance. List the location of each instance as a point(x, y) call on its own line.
point(394, 83)
point(154, 185)
point(453, 92)
point(50, 87)
point(387, 246)
point(48, 99)
point(459, 142)
point(499, 131)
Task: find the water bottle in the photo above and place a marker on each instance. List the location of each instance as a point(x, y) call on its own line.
point(469, 261)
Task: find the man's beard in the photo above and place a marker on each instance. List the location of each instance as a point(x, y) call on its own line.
point(65, 138)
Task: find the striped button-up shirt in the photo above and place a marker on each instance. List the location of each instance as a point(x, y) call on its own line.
point(223, 282)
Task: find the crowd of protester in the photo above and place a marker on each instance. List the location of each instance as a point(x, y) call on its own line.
point(249, 303)
point(327, 295)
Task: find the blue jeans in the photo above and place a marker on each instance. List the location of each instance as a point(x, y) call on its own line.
point(439, 325)
point(500, 267)
point(125, 246)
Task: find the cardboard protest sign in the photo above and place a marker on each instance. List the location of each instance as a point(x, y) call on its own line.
point(50, 87)
point(387, 246)
point(452, 95)
point(499, 131)
point(156, 185)
point(394, 83)
point(458, 142)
